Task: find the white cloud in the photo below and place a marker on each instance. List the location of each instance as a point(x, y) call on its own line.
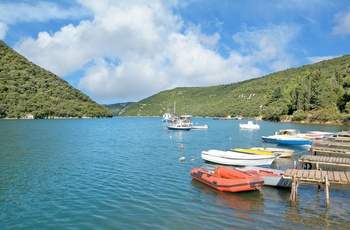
point(342, 26)
point(267, 46)
point(133, 49)
point(322, 58)
point(3, 30)
point(41, 11)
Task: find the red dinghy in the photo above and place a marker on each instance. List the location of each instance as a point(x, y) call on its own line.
point(227, 179)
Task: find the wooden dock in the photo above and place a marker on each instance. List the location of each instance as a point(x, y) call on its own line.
point(318, 176)
point(315, 150)
point(330, 151)
point(315, 177)
point(307, 160)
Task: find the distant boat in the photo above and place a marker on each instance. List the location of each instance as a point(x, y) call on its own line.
point(180, 126)
point(251, 125)
point(200, 126)
point(168, 117)
point(228, 179)
point(237, 158)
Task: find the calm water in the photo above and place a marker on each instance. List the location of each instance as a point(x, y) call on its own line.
point(125, 173)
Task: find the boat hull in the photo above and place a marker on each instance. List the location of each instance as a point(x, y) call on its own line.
point(255, 151)
point(250, 126)
point(174, 128)
point(236, 158)
point(272, 177)
point(288, 140)
point(200, 126)
point(301, 142)
point(228, 180)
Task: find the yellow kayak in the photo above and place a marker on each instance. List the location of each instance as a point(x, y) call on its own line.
point(254, 151)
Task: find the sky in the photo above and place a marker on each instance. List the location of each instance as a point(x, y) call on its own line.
point(127, 50)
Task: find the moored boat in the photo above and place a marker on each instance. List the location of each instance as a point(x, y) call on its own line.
point(200, 126)
point(237, 158)
point(250, 125)
point(289, 137)
point(272, 177)
point(294, 141)
point(227, 179)
point(180, 126)
point(282, 151)
point(167, 117)
point(255, 151)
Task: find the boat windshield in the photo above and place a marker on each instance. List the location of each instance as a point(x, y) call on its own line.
point(288, 132)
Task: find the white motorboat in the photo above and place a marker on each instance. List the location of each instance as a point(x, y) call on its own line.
point(237, 158)
point(289, 137)
point(200, 126)
point(249, 125)
point(180, 125)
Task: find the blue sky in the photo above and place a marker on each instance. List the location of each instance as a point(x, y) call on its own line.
point(127, 50)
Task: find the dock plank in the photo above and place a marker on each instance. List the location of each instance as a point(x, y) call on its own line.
point(305, 173)
point(343, 177)
point(300, 173)
point(348, 175)
point(318, 175)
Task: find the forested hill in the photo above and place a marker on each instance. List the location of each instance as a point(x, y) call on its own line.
point(317, 92)
point(29, 91)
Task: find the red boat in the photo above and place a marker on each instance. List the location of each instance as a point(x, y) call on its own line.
point(228, 179)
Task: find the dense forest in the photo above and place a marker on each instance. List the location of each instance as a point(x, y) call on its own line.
point(313, 93)
point(29, 91)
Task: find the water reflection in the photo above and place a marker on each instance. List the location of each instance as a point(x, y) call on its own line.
point(314, 214)
point(251, 201)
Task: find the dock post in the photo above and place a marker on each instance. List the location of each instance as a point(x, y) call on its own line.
point(293, 194)
point(326, 190)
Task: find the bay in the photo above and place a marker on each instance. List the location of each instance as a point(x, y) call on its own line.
point(125, 173)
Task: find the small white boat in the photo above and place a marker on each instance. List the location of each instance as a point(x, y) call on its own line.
point(249, 125)
point(236, 158)
point(180, 126)
point(282, 151)
point(167, 117)
point(200, 126)
point(272, 177)
point(320, 134)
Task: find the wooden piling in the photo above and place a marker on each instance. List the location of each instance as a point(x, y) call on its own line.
point(326, 190)
point(315, 177)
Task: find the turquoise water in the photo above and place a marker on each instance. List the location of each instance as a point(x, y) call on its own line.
point(125, 173)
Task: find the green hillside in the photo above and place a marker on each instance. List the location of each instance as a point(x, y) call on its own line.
point(117, 108)
point(318, 92)
point(26, 89)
